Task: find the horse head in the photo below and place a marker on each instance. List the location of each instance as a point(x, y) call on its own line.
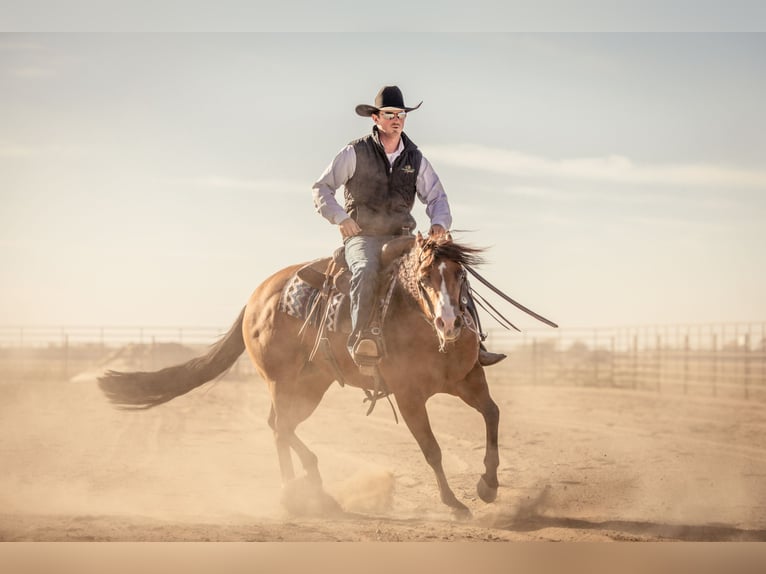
point(442, 286)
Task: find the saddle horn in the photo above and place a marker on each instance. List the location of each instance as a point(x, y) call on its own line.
point(394, 249)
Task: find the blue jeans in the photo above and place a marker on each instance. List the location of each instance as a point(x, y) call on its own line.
point(363, 258)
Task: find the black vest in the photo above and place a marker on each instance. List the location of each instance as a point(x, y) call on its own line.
point(378, 200)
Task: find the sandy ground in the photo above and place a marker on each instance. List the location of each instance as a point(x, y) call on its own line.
point(577, 464)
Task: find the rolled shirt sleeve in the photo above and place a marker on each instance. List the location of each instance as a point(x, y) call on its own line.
point(430, 191)
point(337, 174)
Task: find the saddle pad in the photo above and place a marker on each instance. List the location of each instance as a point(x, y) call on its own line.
point(297, 300)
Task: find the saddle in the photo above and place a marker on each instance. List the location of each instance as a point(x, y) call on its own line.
point(317, 272)
point(318, 293)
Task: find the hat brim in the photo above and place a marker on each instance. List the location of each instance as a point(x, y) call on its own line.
point(366, 110)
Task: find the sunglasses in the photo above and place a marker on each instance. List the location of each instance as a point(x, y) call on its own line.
point(392, 115)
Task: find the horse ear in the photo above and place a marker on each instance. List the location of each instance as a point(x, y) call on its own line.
point(448, 237)
point(420, 240)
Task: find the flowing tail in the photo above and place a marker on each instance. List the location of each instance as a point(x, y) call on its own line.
point(142, 390)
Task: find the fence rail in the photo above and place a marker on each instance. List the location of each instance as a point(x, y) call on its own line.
point(29, 353)
point(726, 359)
point(716, 359)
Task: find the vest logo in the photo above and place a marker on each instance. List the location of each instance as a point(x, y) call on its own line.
point(408, 169)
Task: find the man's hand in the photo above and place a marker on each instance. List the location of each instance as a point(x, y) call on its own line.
point(437, 231)
point(349, 228)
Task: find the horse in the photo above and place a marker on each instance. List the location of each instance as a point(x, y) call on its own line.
point(431, 346)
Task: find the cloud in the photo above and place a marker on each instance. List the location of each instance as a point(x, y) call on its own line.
point(594, 194)
point(9, 150)
point(676, 223)
point(11, 44)
point(22, 60)
point(234, 184)
point(14, 150)
point(613, 168)
point(32, 73)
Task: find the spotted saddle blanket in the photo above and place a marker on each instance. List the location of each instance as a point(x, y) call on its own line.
point(305, 293)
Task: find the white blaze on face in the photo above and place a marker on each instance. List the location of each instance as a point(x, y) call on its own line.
point(445, 310)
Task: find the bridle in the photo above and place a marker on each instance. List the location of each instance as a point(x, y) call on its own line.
point(429, 315)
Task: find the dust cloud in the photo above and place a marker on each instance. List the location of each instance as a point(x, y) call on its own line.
point(576, 464)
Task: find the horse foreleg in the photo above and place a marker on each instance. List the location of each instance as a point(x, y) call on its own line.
point(415, 416)
point(475, 392)
point(308, 459)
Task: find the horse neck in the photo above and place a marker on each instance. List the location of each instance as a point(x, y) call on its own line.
point(408, 277)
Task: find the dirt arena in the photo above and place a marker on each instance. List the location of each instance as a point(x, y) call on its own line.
point(577, 464)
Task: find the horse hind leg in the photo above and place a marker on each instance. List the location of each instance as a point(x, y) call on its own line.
point(282, 442)
point(304, 496)
point(415, 416)
point(285, 440)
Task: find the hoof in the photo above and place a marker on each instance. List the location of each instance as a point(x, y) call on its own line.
point(302, 497)
point(486, 492)
point(461, 513)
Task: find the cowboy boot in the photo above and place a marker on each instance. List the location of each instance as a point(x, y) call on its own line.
point(367, 350)
point(487, 358)
point(367, 353)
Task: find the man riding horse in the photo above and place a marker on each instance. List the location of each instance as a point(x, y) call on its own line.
point(381, 173)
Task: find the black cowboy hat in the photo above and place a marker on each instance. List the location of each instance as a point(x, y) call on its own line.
point(388, 97)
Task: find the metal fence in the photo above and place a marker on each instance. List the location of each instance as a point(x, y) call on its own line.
point(30, 353)
point(721, 360)
point(727, 360)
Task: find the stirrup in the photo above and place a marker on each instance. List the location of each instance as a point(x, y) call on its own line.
point(367, 354)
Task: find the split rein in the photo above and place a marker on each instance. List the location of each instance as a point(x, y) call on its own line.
point(413, 273)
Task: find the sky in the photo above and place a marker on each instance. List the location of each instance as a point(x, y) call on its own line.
point(157, 179)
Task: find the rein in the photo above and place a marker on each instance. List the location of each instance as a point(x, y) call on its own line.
point(511, 301)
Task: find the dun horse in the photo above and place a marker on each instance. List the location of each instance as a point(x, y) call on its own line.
point(431, 347)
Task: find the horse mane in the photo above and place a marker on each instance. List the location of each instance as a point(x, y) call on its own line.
point(420, 258)
point(445, 248)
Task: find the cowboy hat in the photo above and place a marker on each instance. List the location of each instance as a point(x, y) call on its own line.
point(388, 97)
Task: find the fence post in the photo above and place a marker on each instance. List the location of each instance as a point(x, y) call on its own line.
point(686, 362)
point(747, 365)
point(595, 357)
point(66, 356)
point(635, 361)
point(611, 363)
point(715, 364)
point(659, 363)
point(762, 355)
point(22, 363)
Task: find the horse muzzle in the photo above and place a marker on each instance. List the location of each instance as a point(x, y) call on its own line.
point(449, 328)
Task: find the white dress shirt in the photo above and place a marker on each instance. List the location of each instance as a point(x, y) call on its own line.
point(428, 188)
